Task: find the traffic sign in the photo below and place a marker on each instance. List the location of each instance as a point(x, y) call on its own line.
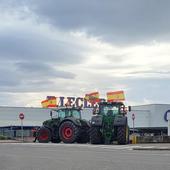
point(21, 116)
point(133, 116)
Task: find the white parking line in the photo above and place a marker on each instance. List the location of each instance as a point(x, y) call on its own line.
point(110, 147)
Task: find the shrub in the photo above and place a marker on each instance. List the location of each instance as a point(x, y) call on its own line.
point(3, 137)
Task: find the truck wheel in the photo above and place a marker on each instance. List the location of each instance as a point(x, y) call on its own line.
point(68, 132)
point(95, 135)
point(122, 135)
point(43, 135)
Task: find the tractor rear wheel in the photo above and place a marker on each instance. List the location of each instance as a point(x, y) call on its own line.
point(68, 132)
point(43, 135)
point(122, 135)
point(95, 135)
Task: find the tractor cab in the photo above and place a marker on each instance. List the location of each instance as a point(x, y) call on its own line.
point(111, 109)
point(66, 112)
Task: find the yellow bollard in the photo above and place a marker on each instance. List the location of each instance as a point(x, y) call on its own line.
point(134, 139)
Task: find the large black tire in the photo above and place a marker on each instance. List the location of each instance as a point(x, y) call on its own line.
point(68, 132)
point(84, 138)
point(55, 136)
point(122, 135)
point(95, 135)
point(43, 135)
point(53, 140)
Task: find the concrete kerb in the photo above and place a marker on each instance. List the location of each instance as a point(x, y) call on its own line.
point(152, 148)
point(10, 141)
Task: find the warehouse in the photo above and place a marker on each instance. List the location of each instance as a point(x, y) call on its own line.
point(149, 119)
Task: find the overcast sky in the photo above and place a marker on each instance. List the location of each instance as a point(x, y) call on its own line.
point(73, 47)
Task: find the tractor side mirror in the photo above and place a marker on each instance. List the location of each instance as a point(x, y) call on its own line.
point(129, 108)
point(95, 111)
point(51, 114)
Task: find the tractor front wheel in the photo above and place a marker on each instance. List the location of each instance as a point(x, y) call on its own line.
point(43, 135)
point(95, 135)
point(122, 135)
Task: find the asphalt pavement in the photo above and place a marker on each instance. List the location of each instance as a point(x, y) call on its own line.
point(36, 156)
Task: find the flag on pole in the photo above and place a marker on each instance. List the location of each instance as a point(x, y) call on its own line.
point(49, 102)
point(44, 103)
point(52, 101)
point(115, 96)
point(92, 97)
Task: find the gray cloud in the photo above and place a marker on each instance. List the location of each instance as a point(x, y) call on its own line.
point(8, 79)
point(118, 21)
point(31, 77)
point(38, 53)
point(26, 45)
point(42, 70)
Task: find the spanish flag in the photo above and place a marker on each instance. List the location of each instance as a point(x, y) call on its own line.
point(49, 102)
point(115, 96)
point(52, 101)
point(44, 103)
point(92, 97)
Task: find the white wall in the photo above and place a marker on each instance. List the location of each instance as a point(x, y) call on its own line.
point(33, 116)
point(145, 115)
point(149, 115)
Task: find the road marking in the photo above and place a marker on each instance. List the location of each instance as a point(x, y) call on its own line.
point(110, 147)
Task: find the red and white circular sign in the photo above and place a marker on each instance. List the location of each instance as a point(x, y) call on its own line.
point(21, 116)
point(133, 116)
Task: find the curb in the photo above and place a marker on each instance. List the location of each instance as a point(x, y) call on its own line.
point(10, 141)
point(14, 141)
point(152, 149)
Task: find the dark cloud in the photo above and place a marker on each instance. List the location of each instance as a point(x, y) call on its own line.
point(36, 47)
point(118, 21)
point(31, 77)
point(42, 70)
point(23, 44)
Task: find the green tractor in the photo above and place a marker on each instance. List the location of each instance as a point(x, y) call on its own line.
point(65, 125)
point(109, 124)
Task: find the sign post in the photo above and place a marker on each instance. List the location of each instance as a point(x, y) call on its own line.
point(21, 116)
point(133, 119)
point(168, 117)
point(133, 137)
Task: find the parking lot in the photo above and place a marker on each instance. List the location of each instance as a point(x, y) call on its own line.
point(36, 156)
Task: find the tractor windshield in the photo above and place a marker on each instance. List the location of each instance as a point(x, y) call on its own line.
point(75, 113)
point(62, 113)
point(110, 110)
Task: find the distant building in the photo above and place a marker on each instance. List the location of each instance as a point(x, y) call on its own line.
point(148, 118)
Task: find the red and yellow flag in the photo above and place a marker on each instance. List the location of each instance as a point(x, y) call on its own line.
point(49, 102)
point(115, 96)
point(92, 97)
point(44, 103)
point(52, 102)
